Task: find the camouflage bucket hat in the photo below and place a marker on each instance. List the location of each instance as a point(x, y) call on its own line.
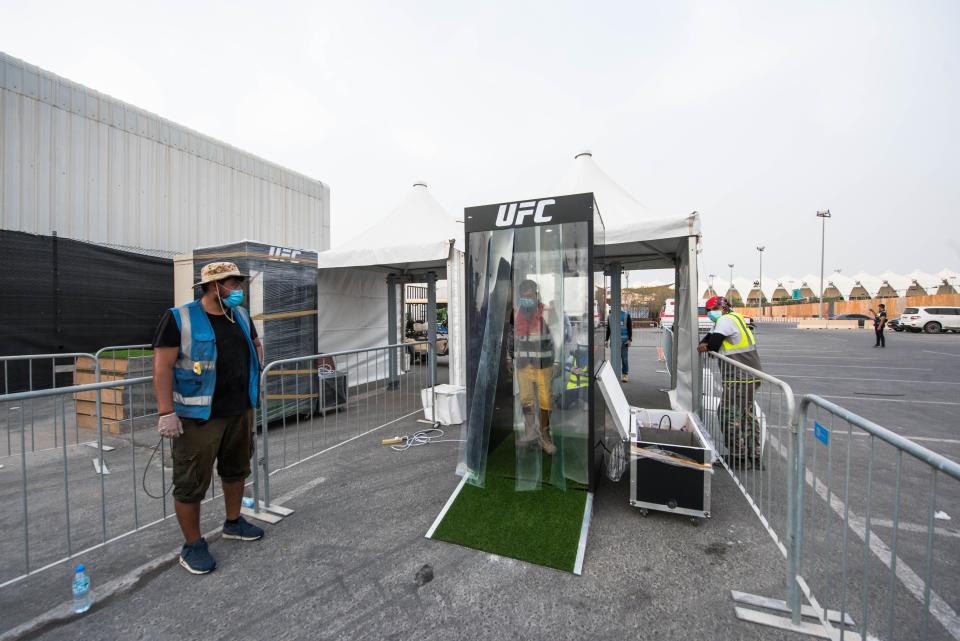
point(218, 271)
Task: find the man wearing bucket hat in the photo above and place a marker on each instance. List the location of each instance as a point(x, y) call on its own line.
point(731, 336)
point(207, 358)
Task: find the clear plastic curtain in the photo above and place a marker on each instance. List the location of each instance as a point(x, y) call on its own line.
point(529, 412)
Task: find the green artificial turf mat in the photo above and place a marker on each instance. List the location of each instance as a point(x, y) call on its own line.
point(127, 353)
point(538, 526)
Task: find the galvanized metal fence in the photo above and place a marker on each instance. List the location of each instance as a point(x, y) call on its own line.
point(68, 502)
point(647, 336)
point(353, 392)
point(858, 512)
point(109, 480)
point(870, 536)
point(28, 372)
point(747, 414)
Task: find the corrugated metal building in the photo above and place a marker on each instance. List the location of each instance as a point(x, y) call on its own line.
point(82, 164)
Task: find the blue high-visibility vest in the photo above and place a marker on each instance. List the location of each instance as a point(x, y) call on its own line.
point(195, 372)
point(624, 335)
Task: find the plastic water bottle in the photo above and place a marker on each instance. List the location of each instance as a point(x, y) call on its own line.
point(81, 590)
point(247, 501)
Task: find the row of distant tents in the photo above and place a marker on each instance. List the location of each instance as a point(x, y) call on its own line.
point(836, 286)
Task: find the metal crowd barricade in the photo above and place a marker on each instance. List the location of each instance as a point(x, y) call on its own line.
point(352, 393)
point(869, 531)
point(67, 508)
point(647, 336)
point(665, 349)
point(748, 415)
point(29, 372)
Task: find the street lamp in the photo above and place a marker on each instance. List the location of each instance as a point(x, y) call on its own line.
point(730, 286)
point(823, 241)
point(760, 249)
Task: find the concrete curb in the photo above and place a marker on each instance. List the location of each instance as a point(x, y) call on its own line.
point(104, 594)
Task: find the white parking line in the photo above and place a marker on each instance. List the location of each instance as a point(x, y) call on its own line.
point(857, 378)
point(914, 527)
point(929, 351)
point(883, 367)
point(889, 400)
point(843, 358)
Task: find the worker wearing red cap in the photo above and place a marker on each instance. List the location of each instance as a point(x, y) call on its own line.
point(731, 337)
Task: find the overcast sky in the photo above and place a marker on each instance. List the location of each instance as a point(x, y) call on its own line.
point(754, 114)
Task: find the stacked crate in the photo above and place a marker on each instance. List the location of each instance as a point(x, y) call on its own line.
point(115, 404)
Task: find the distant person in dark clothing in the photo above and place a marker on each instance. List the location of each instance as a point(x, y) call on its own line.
point(626, 339)
point(879, 322)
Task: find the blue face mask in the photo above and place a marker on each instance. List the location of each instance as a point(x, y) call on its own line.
point(527, 304)
point(714, 315)
point(234, 298)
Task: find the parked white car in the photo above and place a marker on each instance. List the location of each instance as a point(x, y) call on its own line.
point(931, 320)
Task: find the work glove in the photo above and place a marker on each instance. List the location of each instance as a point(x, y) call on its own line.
point(169, 426)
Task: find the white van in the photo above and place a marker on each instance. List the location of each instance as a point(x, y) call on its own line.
point(667, 315)
point(931, 320)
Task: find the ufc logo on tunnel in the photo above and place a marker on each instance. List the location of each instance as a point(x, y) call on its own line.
point(514, 213)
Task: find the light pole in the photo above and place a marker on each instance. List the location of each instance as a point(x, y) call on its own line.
point(729, 287)
point(823, 241)
point(760, 249)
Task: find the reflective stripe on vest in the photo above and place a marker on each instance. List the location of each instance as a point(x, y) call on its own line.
point(194, 378)
point(192, 400)
point(747, 342)
point(576, 381)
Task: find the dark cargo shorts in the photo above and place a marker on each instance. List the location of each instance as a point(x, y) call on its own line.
point(226, 440)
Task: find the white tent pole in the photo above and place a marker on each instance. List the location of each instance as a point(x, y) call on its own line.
point(694, 323)
point(392, 327)
point(432, 325)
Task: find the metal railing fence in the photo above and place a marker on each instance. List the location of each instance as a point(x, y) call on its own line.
point(867, 536)
point(747, 414)
point(665, 350)
point(858, 512)
point(84, 493)
point(647, 336)
point(67, 503)
point(29, 372)
point(371, 388)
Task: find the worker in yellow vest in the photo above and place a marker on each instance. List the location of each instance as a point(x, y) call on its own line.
point(731, 337)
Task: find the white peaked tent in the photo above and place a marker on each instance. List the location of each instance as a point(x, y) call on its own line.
point(636, 237)
point(898, 281)
point(929, 282)
point(360, 281)
point(870, 282)
point(951, 275)
point(843, 283)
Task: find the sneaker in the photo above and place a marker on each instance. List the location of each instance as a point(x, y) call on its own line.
point(624, 378)
point(241, 530)
point(196, 558)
